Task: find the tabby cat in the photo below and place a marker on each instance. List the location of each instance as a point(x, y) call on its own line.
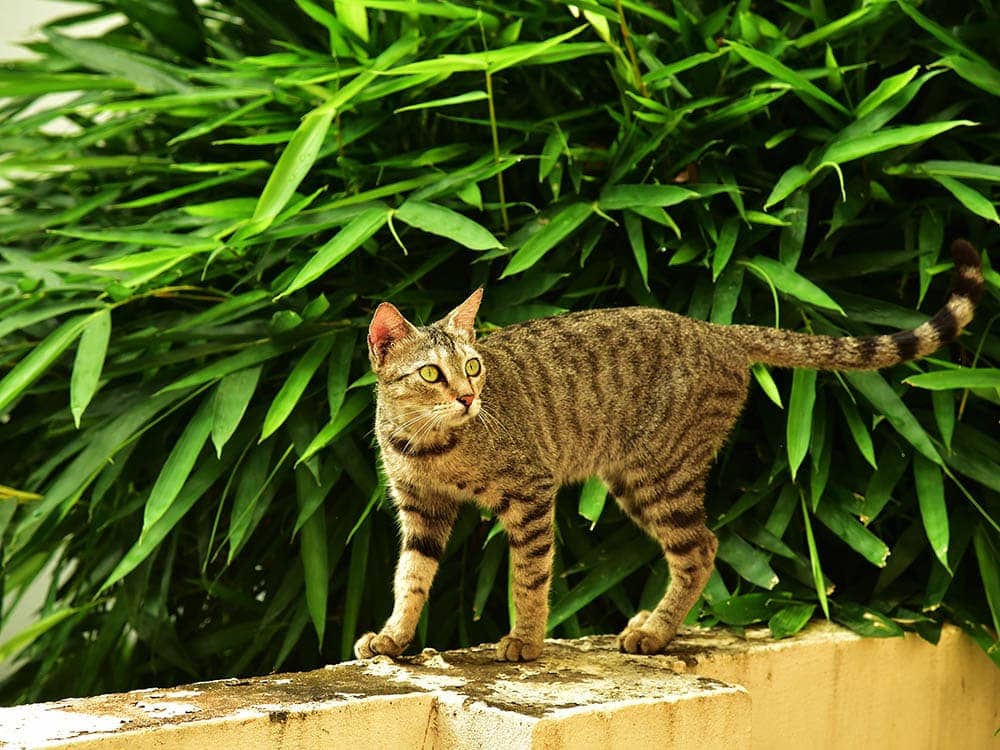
point(642, 398)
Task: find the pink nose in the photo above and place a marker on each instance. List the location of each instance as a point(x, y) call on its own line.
point(466, 400)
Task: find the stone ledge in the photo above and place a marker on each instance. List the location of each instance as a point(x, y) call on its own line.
point(825, 688)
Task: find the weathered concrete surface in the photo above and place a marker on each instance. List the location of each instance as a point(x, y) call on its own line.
point(826, 688)
point(578, 696)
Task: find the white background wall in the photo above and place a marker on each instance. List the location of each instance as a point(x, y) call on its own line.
point(20, 20)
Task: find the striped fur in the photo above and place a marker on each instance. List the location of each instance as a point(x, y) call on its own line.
point(787, 349)
point(642, 398)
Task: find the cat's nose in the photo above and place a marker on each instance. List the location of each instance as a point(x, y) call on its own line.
point(466, 399)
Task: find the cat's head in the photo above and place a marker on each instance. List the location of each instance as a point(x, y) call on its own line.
point(429, 377)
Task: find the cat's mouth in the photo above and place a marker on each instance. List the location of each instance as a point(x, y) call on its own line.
point(463, 412)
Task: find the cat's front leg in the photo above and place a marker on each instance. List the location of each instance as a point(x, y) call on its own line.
point(529, 523)
point(426, 526)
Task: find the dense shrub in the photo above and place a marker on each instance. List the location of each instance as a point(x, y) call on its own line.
point(196, 231)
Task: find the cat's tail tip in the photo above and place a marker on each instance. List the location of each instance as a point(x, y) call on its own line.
point(968, 271)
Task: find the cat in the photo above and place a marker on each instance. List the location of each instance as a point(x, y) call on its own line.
point(641, 397)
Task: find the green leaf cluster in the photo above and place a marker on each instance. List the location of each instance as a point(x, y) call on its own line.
point(195, 231)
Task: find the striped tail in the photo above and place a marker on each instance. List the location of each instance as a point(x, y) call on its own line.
point(774, 346)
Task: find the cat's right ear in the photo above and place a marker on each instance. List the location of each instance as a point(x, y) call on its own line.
point(387, 327)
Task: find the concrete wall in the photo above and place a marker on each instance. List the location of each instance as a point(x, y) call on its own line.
point(825, 688)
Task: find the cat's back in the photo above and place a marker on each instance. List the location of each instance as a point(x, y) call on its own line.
point(602, 332)
point(590, 383)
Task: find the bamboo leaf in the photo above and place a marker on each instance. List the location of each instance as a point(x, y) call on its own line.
point(852, 533)
point(800, 413)
point(969, 197)
point(790, 620)
point(859, 431)
point(249, 357)
point(444, 222)
point(744, 609)
point(977, 72)
point(89, 363)
point(352, 407)
point(354, 16)
point(866, 622)
point(554, 231)
point(149, 541)
point(255, 476)
point(142, 72)
point(966, 170)
point(592, 498)
point(792, 283)
point(178, 465)
point(791, 180)
point(766, 383)
point(882, 483)
point(448, 101)
point(356, 587)
point(628, 196)
point(633, 228)
point(849, 149)
point(346, 241)
point(293, 388)
point(493, 555)
point(885, 91)
point(930, 496)
point(292, 167)
point(41, 357)
point(13, 646)
point(230, 401)
point(313, 551)
point(612, 562)
point(819, 580)
point(875, 388)
point(339, 370)
point(782, 72)
point(724, 248)
point(943, 403)
point(747, 560)
point(987, 556)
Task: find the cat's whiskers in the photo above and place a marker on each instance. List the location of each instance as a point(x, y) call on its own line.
point(433, 417)
point(410, 417)
point(488, 415)
point(404, 427)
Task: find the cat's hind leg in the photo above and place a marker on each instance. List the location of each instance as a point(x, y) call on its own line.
point(669, 507)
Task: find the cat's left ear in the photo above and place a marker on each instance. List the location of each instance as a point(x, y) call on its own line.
point(463, 318)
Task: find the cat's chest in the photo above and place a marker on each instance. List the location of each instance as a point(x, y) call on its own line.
point(457, 476)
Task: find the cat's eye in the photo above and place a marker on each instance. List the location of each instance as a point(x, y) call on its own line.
point(430, 373)
point(473, 367)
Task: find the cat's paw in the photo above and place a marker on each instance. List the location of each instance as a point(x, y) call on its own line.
point(638, 639)
point(373, 644)
point(638, 619)
point(512, 648)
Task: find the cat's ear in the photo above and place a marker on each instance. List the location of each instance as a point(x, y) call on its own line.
point(387, 327)
point(462, 319)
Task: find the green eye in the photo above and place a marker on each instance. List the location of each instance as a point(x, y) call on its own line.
point(473, 367)
point(430, 373)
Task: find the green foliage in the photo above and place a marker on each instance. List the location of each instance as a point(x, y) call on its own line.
point(196, 231)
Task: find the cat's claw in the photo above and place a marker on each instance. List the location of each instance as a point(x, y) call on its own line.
point(373, 644)
point(635, 639)
point(512, 648)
